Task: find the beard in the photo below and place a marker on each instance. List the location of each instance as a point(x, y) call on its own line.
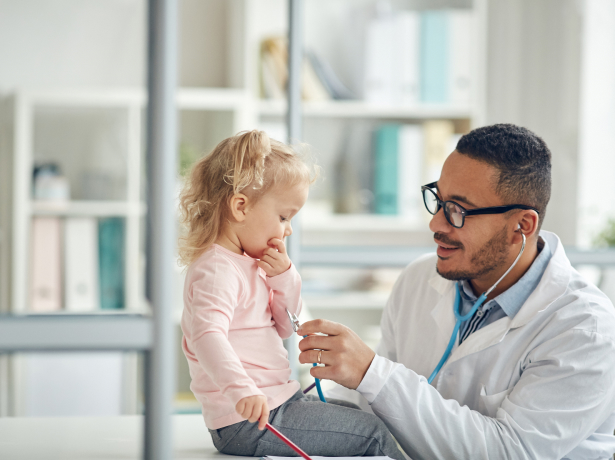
point(486, 260)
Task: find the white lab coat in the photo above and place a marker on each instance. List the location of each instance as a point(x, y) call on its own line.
point(539, 386)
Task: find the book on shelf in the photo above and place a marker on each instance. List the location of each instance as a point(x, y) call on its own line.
point(81, 264)
point(407, 156)
point(353, 182)
point(111, 243)
point(410, 171)
point(46, 264)
point(407, 52)
point(461, 63)
point(438, 136)
point(385, 169)
point(419, 57)
point(318, 79)
point(434, 65)
point(328, 77)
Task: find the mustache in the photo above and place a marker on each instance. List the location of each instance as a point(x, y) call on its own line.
point(442, 238)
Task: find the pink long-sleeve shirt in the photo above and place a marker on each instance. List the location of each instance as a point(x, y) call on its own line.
point(234, 320)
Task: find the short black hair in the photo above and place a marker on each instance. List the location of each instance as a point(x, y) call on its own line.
point(522, 159)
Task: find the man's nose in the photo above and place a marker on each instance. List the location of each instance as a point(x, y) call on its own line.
point(439, 224)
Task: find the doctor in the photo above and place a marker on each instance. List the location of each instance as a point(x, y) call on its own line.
point(532, 371)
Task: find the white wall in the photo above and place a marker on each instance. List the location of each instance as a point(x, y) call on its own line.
point(94, 43)
point(534, 57)
point(84, 43)
point(597, 120)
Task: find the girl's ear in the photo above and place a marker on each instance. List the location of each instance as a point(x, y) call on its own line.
point(238, 204)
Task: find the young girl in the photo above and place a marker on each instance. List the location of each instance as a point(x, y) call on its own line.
point(237, 207)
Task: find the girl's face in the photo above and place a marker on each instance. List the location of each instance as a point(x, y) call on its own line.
point(270, 217)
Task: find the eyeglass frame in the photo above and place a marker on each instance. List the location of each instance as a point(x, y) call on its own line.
point(468, 212)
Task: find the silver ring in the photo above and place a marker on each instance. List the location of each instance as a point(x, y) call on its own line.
point(319, 355)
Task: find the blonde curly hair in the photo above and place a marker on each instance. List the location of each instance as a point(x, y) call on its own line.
point(250, 163)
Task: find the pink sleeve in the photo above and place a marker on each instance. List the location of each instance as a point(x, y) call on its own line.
point(216, 288)
point(286, 289)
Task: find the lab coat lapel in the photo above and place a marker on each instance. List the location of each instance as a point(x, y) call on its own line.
point(481, 339)
point(442, 313)
point(553, 284)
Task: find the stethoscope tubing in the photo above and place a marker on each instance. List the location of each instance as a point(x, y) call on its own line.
point(460, 319)
point(321, 396)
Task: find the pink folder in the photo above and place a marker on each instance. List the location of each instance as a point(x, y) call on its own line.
point(46, 265)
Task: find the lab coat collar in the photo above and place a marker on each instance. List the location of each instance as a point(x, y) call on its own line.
point(553, 284)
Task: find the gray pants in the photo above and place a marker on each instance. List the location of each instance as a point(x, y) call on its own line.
point(335, 429)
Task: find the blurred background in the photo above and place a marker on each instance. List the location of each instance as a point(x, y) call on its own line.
point(388, 89)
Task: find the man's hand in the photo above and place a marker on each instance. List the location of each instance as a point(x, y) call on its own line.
point(345, 356)
point(254, 408)
point(274, 260)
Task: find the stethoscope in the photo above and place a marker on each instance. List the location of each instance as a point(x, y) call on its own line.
point(479, 302)
point(294, 321)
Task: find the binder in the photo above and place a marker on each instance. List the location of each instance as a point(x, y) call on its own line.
point(410, 171)
point(407, 51)
point(434, 57)
point(379, 60)
point(46, 265)
point(81, 264)
point(386, 169)
point(111, 256)
point(461, 63)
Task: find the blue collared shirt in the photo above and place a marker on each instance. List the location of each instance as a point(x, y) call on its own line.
point(509, 302)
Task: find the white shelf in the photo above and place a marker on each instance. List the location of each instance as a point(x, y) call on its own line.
point(87, 208)
point(212, 98)
point(349, 300)
point(75, 332)
point(362, 222)
point(187, 98)
point(360, 109)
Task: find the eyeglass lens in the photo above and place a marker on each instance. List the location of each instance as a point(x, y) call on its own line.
point(452, 212)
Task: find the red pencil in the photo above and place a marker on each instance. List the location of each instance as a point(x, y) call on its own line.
point(288, 442)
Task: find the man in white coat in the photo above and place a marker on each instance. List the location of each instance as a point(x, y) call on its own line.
point(532, 371)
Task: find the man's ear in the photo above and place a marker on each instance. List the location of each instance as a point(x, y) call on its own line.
point(238, 205)
point(527, 224)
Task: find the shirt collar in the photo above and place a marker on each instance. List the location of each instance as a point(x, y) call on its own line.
point(511, 300)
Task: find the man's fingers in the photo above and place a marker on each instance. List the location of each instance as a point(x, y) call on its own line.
point(311, 356)
point(318, 342)
point(321, 325)
point(322, 373)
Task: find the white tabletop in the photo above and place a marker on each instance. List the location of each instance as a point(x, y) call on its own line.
point(99, 438)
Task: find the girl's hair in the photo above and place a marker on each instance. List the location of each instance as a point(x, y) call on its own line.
point(250, 163)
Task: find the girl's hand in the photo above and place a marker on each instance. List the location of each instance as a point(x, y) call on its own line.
point(254, 408)
point(274, 260)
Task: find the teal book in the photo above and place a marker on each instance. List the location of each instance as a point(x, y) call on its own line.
point(111, 243)
point(434, 56)
point(386, 169)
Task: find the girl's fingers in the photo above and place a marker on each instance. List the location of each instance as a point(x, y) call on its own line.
point(267, 258)
point(256, 412)
point(279, 245)
point(241, 406)
point(264, 418)
point(264, 265)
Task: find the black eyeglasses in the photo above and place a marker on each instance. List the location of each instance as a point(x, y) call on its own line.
point(455, 213)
